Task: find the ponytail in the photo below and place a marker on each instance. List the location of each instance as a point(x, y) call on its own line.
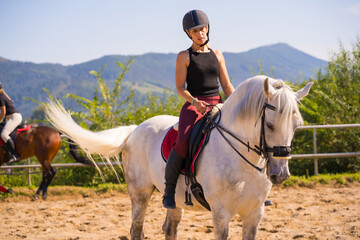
point(2, 91)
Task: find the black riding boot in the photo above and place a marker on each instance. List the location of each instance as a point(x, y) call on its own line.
point(11, 147)
point(172, 171)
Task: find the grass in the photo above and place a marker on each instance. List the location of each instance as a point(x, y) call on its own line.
point(324, 179)
point(337, 180)
point(75, 191)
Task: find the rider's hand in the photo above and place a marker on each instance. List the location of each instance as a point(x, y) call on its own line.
point(200, 106)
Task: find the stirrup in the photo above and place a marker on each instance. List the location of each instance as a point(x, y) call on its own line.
point(13, 159)
point(188, 201)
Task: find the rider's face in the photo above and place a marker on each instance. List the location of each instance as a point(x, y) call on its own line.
point(199, 35)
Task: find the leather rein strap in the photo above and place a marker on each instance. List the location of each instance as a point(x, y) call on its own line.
point(259, 150)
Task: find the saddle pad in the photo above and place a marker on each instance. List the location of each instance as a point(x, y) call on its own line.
point(19, 130)
point(169, 142)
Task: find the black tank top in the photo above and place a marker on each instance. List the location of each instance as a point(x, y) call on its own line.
point(9, 105)
point(202, 74)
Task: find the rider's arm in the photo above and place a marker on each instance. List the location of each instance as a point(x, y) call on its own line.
point(2, 112)
point(223, 75)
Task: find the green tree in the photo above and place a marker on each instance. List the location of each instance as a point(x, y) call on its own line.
point(103, 111)
point(334, 99)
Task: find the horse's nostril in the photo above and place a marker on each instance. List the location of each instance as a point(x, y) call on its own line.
point(277, 179)
point(273, 178)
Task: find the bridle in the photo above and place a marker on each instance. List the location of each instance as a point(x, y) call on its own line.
point(263, 149)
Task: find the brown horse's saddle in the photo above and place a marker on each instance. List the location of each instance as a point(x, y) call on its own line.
point(199, 138)
point(21, 128)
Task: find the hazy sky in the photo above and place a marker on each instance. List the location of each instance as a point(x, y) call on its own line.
point(75, 31)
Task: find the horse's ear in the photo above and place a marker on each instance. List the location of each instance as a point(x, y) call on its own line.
point(304, 91)
point(268, 89)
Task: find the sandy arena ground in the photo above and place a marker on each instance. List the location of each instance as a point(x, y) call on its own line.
point(324, 212)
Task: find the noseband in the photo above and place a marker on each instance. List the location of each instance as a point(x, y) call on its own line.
point(263, 150)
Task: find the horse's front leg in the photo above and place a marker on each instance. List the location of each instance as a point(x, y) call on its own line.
point(173, 218)
point(221, 219)
point(251, 223)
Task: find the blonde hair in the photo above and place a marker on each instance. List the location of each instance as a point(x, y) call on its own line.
point(2, 91)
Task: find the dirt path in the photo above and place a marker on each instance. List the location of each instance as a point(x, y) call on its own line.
point(324, 212)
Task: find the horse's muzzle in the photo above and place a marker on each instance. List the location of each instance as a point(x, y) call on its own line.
point(278, 170)
point(276, 179)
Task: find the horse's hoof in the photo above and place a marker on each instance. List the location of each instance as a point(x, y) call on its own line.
point(10, 191)
point(268, 203)
point(44, 196)
point(36, 197)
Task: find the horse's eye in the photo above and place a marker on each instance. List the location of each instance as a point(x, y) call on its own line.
point(270, 126)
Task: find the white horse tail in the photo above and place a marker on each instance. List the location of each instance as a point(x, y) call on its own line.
point(108, 143)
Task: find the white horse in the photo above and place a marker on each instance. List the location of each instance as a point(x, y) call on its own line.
point(231, 185)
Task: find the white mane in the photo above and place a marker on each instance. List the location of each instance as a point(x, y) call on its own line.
point(248, 99)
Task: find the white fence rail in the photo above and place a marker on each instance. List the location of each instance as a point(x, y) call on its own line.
point(314, 155)
point(55, 165)
point(317, 155)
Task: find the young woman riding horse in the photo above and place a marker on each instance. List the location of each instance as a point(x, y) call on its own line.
point(262, 112)
point(42, 142)
point(13, 119)
point(199, 68)
point(236, 178)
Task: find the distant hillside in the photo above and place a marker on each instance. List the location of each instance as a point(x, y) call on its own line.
point(3, 59)
point(150, 72)
point(283, 61)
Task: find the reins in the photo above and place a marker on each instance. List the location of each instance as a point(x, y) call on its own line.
point(259, 150)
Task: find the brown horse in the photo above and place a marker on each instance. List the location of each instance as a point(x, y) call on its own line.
point(42, 142)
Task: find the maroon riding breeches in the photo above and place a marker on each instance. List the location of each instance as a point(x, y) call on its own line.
point(188, 117)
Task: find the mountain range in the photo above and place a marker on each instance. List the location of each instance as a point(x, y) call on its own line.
point(151, 72)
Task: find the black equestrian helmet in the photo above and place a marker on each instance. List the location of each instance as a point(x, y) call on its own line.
point(195, 19)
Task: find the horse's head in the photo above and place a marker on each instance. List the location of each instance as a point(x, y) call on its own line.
point(279, 125)
point(272, 108)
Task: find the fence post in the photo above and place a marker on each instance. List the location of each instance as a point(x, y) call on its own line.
point(29, 173)
point(316, 168)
